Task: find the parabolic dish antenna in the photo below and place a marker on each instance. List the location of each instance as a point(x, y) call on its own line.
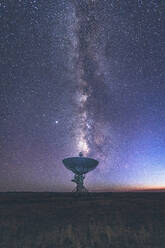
point(80, 166)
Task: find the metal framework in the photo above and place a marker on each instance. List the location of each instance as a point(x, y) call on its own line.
point(79, 180)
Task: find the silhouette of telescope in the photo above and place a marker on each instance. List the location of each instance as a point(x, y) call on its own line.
point(80, 166)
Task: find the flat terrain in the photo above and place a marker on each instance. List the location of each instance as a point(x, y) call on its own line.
point(59, 220)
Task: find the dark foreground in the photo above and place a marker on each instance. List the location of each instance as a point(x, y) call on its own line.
point(104, 220)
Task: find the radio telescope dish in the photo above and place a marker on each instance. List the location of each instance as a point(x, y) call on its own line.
point(80, 166)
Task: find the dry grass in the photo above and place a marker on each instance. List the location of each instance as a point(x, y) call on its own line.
point(110, 221)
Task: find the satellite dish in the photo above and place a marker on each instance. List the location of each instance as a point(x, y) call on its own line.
point(80, 166)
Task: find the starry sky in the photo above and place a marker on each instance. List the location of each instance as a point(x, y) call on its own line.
point(86, 76)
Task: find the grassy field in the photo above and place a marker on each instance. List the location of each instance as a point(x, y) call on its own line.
point(59, 220)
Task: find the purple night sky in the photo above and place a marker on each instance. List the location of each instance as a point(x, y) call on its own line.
point(84, 75)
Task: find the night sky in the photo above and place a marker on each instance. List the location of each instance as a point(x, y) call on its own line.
point(82, 75)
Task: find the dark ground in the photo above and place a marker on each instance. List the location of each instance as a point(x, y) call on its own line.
point(57, 220)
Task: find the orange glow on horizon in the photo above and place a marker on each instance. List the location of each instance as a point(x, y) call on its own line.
point(151, 188)
point(129, 188)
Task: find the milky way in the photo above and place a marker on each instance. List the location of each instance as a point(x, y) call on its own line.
point(93, 133)
point(84, 76)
